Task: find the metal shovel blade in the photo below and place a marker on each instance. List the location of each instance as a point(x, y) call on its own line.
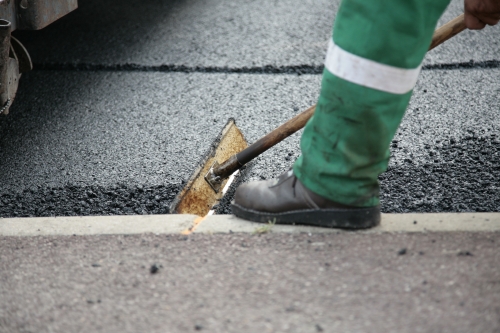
point(198, 197)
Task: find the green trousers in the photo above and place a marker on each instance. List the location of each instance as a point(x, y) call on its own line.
point(371, 67)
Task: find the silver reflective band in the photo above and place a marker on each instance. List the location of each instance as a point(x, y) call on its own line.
point(369, 73)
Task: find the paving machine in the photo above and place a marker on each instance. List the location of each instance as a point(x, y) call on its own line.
point(14, 58)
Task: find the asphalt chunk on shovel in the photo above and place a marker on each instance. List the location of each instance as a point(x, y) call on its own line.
point(230, 151)
point(198, 197)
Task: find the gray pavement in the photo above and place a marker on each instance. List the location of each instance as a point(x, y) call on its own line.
point(123, 140)
point(91, 146)
point(423, 282)
point(140, 128)
point(126, 134)
point(213, 33)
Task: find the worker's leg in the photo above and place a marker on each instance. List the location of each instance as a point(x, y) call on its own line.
point(370, 70)
point(371, 67)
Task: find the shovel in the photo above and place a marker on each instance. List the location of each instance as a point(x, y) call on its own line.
point(205, 187)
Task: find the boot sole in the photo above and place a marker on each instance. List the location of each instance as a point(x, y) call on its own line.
point(360, 218)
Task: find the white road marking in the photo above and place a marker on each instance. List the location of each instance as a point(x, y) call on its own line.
point(229, 182)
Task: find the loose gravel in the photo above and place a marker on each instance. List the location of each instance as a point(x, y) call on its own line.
point(74, 200)
point(463, 179)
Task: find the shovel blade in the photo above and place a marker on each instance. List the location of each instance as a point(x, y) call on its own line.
point(198, 197)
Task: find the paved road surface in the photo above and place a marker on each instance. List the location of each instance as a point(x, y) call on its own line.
point(434, 282)
point(125, 99)
point(112, 127)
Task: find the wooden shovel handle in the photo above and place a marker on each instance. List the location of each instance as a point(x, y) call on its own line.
point(442, 34)
point(447, 31)
point(278, 135)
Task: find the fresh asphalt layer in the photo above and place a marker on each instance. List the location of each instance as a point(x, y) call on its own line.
point(111, 127)
point(210, 33)
point(275, 282)
point(95, 143)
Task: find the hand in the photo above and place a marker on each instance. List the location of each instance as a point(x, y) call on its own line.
point(478, 13)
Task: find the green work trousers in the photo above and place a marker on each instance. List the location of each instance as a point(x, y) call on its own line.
point(370, 71)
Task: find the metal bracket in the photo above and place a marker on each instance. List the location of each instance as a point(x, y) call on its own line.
point(214, 181)
point(34, 14)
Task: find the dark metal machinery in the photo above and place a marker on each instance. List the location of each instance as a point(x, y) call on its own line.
point(14, 59)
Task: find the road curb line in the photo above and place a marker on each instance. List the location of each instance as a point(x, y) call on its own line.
point(410, 222)
point(96, 225)
point(179, 223)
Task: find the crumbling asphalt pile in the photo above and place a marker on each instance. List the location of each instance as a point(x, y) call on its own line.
point(459, 176)
point(74, 200)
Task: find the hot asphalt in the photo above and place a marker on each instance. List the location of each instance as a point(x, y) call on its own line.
point(124, 100)
point(122, 137)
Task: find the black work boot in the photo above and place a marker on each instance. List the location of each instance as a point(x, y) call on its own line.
point(286, 201)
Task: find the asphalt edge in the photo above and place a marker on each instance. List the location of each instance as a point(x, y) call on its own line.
point(96, 225)
point(216, 224)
